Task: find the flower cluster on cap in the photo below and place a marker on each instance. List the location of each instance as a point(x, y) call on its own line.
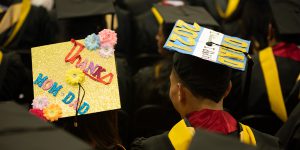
point(105, 41)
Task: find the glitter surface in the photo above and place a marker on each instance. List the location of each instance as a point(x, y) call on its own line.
point(50, 61)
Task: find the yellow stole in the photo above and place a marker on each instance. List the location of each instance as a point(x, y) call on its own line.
point(270, 72)
point(1, 56)
point(181, 135)
point(157, 15)
point(231, 7)
point(15, 14)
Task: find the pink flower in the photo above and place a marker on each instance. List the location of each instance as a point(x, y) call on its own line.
point(40, 102)
point(38, 113)
point(108, 38)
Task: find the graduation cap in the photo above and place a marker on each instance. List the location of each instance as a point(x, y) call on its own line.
point(207, 45)
point(72, 11)
point(21, 130)
point(207, 140)
point(168, 15)
point(76, 77)
point(82, 8)
point(286, 16)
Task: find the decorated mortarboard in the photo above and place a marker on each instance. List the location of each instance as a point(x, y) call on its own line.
point(83, 8)
point(286, 16)
point(170, 14)
point(209, 45)
point(76, 77)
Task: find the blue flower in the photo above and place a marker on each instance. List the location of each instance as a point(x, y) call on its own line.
point(92, 42)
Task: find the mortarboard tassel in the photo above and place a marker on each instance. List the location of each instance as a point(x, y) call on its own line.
point(78, 106)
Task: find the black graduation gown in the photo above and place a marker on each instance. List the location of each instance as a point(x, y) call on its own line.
point(125, 83)
point(162, 142)
point(258, 99)
point(258, 102)
point(152, 89)
point(14, 77)
point(289, 133)
point(146, 28)
point(38, 29)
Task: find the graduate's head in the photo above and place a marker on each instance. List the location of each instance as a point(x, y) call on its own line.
point(256, 18)
point(269, 21)
point(167, 16)
point(162, 35)
point(285, 20)
point(198, 83)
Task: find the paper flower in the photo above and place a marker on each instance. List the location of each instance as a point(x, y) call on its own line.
point(40, 102)
point(108, 38)
point(106, 52)
point(38, 113)
point(74, 76)
point(52, 112)
point(92, 42)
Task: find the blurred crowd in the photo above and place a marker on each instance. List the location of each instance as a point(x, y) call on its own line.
point(144, 66)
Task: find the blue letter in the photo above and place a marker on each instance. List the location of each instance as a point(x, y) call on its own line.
point(84, 106)
point(39, 80)
point(71, 96)
point(54, 89)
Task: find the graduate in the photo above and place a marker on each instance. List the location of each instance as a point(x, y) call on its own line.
point(152, 84)
point(273, 26)
point(24, 26)
point(198, 86)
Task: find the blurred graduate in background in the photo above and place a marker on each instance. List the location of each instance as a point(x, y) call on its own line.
point(152, 82)
point(273, 28)
point(22, 26)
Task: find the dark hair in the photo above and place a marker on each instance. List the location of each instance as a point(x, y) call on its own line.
point(203, 78)
point(98, 129)
point(256, 18)
point(167, 29)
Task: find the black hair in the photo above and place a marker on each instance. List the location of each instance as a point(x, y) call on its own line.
point(167, 29)
point(99, 129)
point(256, 18)
point(203, 78)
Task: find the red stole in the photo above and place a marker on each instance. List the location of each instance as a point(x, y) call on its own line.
point(286, 50)
point(213, 120)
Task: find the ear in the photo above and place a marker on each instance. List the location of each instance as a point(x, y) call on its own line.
point(228, 89)
point(271, 33)
point(256, 44)
point(181, 93)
